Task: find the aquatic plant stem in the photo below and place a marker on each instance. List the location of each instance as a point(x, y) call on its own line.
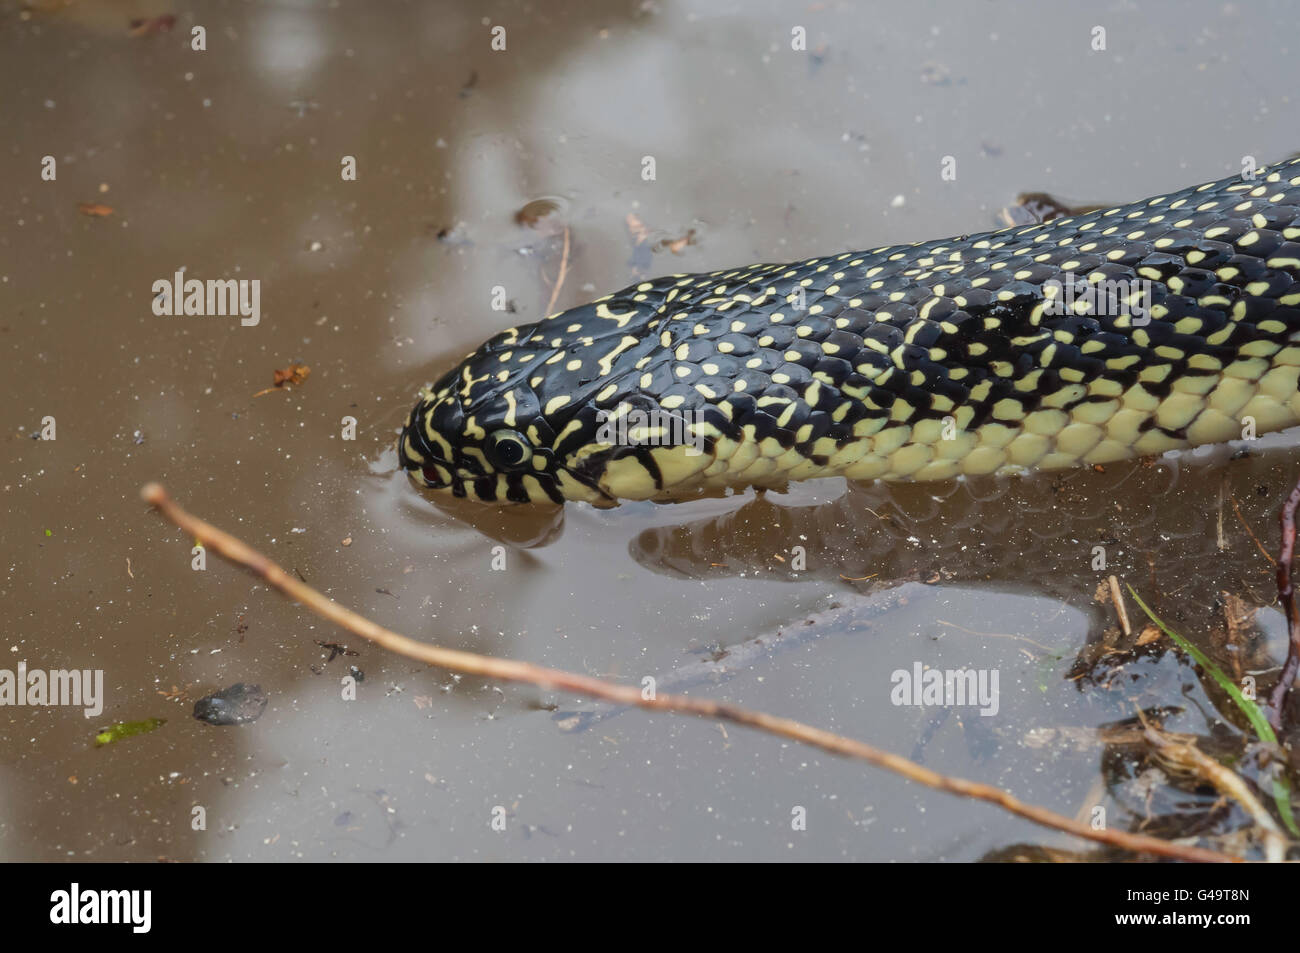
point(1286, 595)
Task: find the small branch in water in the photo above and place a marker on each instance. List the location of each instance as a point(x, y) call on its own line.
point(560, 275)
point(1117, 597)
point(1181, 750)
point(1221, 541)
point(1286, 596)
point(509, 670)
point(1260, 546)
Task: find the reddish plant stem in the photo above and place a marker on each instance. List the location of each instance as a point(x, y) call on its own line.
point(1286, 595)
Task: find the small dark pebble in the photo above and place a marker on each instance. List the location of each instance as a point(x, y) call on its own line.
point(356, 673)
point(236, 705)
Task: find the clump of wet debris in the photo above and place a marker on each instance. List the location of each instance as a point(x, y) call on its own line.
point(1228, 785)
point(237, 705)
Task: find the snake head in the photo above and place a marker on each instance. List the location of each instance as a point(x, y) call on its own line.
point(558, 411)
point(487, 430)
point(481, 451)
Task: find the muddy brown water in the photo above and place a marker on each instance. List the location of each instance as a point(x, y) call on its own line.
point(226, 163)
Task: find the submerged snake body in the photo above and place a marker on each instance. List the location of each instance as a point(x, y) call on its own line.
point(910, 362)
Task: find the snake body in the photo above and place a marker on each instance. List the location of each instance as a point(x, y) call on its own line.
point(1166, 323)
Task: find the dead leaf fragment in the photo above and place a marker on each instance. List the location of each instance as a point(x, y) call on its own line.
point(544, 214)
point(1148, 635)
point(293, 374)
point(675, 245)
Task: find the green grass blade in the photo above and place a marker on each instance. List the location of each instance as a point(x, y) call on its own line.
point(1248, 707)
point(1282, 796)
point(1254, 714)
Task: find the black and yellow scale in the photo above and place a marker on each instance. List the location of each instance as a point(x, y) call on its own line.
point(970, 355)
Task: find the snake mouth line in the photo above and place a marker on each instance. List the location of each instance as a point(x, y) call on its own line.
point(440, 478)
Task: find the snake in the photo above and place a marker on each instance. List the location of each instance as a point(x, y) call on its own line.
point(1128, 331)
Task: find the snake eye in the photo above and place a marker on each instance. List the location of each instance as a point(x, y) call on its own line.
point(508, 450)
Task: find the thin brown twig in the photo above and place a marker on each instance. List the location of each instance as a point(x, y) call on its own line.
point(1286, 596)
point(1237, 509)
point(1221, 541)
point(1117, 598)
point(1181, 750)
point(560, 275)
point(471, 663)
point(995, 635)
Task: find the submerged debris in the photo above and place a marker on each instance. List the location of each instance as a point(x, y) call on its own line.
point(647, 243)
point(457, 234)
point(236, 705)
point(336, 649)
point(1034, 208)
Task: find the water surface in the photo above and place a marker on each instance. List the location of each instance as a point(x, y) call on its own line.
point(226, 163)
